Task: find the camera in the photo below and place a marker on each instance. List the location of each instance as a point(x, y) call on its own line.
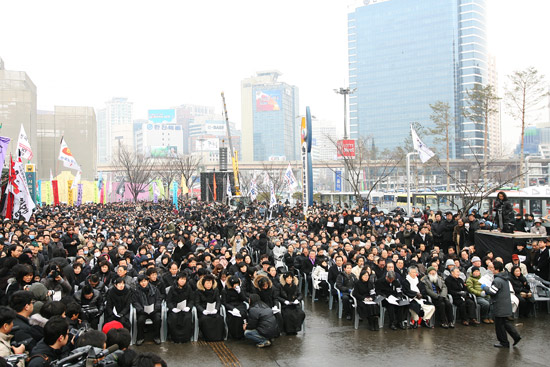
point(53, 274)
point(14, 359)
point(89, 312)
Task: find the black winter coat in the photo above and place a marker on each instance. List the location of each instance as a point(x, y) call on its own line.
point(146, 296)
point(261, 318)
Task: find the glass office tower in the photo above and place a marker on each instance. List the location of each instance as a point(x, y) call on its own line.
point(405, 55)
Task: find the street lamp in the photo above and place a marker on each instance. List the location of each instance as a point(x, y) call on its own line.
point(345, 92)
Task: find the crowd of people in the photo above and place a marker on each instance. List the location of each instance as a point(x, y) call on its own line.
point(70, 276)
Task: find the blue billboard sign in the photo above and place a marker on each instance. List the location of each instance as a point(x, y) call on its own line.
point(338, 181)
point(161, 116)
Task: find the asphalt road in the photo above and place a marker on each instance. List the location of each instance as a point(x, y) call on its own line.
point(329, 341)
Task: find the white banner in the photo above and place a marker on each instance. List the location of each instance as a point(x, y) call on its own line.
point(23, 204)
point(290, 179)
point(423, 151)
point(66, 156)
point(23, 144)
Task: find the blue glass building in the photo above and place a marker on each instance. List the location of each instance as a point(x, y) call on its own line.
point(405, 55)
point(275, 124)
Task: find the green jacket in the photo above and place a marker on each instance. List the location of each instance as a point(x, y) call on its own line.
point(473, 285)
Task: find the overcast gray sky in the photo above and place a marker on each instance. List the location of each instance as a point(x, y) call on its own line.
point(165, 53)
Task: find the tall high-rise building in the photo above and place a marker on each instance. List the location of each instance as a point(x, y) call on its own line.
point(114, 126)
point(269, 110)
point(17, 107)
point(78, 126)
point(405, 55)
point(494, 123)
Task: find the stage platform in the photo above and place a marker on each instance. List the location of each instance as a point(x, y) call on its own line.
point(501, 244)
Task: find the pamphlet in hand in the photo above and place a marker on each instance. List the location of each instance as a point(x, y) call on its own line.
point(149, 309)
point(369, 301)
point(182, 305)
point(486, 279)
point(211, 307)
point(235, 312)
point(56, 296)
point(393, 300)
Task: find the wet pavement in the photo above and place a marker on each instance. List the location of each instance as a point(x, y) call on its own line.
point(329, 341)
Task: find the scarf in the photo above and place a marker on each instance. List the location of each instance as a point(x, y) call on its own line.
point(413, 283)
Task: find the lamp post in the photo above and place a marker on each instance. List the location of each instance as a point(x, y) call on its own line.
point(345, 92)
point(409, 182)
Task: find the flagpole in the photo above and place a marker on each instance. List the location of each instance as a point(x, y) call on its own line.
point(409, 183)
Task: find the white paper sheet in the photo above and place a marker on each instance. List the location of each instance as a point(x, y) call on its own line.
point(149, 309)
point(181, 305)
point(211, 307)
point(235, 312)
point(57, 296)
point(356, 219)
point(324, 275)
point(486, 279)
point(393, 300)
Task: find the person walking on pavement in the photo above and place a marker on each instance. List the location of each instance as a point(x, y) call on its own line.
point(502, 306)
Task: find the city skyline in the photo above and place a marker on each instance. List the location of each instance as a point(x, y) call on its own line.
point(147, 64)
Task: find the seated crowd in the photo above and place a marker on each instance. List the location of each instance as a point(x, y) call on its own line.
point(91, 275)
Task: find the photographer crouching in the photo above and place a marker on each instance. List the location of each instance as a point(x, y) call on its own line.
point(91, 303)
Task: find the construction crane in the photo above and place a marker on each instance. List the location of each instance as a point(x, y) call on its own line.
point(234, 154)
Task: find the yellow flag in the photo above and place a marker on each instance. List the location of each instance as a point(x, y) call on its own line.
point(184, 189)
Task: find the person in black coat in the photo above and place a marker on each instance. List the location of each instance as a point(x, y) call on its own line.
point(461, 298)
point(541, 260)
point(291, 307)
point(180, 321)
point(522, 291)
point(335, 270)
point(22, 303)
point(345, 283)
point(389, 286)
point(504, 213)
point(148, 303)
point(502, 306)
point(262, 324)
point(365, 294)
point(118, 300)
point(419, 305)
point(53, 346)
point(210, 321)
point(91, 303)
point(233, 299)
point(448, 229)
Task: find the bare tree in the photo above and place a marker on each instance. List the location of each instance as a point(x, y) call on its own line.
point(355, 165)
point(470, 184)
point(524, 94)
point(441, 117)
point(245, 178)
point(137, 168)
point(275, 175)
point(187, 165)
point(481, 104)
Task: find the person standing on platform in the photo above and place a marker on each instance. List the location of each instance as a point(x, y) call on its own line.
point(502, 306)
point(504, 213)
